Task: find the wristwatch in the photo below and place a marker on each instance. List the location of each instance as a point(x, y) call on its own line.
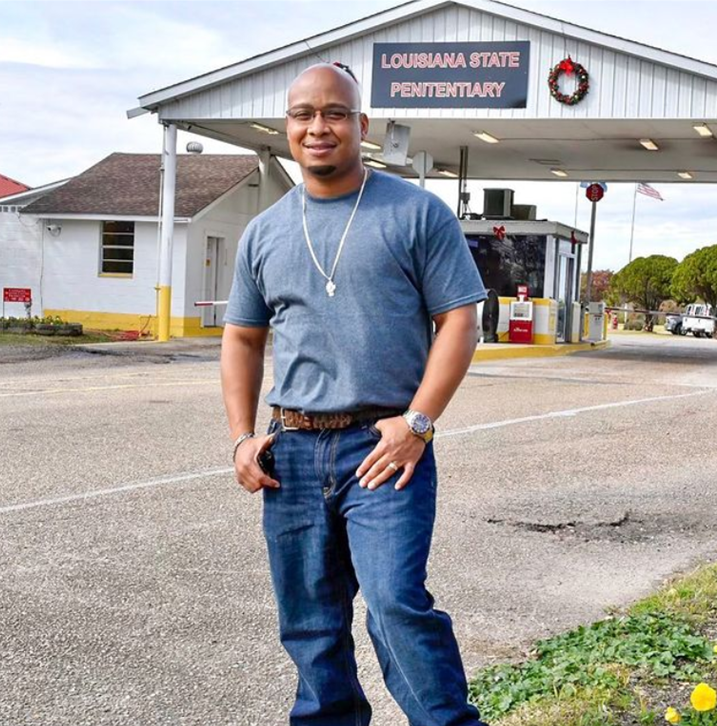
point(419, 424)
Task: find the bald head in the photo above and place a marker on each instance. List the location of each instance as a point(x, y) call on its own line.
point(325, 129)
point(330, 77)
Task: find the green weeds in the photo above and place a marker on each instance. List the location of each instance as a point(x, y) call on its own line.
point(589, 676)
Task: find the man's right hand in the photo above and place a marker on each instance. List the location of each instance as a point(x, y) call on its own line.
point(246, 464)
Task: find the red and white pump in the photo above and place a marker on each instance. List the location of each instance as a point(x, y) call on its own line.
point(520, 325)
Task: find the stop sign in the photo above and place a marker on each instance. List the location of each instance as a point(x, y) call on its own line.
point(595, 192)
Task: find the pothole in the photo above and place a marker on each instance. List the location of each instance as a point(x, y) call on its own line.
point(626, 528)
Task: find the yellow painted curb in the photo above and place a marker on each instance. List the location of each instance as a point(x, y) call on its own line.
point(506, 351)
point(179, 327)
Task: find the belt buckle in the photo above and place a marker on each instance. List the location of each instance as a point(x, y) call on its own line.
point(284, 427)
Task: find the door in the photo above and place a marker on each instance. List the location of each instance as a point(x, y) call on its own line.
point(214, 254)
point(564, 295)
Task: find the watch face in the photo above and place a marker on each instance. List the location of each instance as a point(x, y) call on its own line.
point(420, 423)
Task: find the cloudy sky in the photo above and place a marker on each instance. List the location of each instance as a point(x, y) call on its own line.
point(70, 70)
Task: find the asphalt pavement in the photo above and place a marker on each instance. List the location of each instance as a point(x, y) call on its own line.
point(133, 581)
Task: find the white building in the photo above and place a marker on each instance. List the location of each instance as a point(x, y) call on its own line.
point(21, 246)
point(89, 248)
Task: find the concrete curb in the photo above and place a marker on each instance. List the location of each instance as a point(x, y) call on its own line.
point(202, 347)
point(506, 351)
point(188, 347)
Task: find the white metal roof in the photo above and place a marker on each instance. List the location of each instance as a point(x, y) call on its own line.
point(637, 92)
point(409, 10)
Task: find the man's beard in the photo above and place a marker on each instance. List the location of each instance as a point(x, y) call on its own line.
point(322, 171)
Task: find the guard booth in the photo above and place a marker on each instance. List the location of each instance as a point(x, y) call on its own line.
point(542, 255)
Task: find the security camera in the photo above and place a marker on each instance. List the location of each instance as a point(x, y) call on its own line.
point(54, 229)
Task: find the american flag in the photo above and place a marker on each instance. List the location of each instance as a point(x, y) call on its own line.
point(649, 191)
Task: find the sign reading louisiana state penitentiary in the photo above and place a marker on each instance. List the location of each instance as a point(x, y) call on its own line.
point(450, 75)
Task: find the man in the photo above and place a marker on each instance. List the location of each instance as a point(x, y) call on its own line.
point(351, 269)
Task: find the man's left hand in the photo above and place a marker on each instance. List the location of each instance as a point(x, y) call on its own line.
point(398, 449)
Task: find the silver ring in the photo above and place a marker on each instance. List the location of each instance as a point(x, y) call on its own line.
point(393, 465)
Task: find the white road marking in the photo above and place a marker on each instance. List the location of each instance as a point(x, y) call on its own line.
point(22, 506)
point(693, 385)
point(147, 384)
point(144, 380)
point(566, 413)
point(30, 380)
point(114, 490)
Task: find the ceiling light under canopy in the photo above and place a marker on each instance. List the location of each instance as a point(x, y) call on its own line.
point(485, 136)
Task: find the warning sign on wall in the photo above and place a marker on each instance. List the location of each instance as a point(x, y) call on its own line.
point(17, 294)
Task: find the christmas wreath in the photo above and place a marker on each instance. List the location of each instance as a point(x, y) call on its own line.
point(569, 66)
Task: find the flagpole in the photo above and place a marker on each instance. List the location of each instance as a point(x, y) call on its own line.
point(577, 193)
point(632, 227)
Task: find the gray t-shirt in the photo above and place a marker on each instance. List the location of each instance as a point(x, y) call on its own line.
point(405, 259)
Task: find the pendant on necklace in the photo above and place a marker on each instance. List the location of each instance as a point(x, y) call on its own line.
point(330, 288)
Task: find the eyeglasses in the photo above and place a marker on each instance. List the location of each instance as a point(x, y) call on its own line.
point(330, 114)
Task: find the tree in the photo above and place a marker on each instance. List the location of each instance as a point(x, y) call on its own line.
point(646, 282)
point(696, 277)
point(600, 285)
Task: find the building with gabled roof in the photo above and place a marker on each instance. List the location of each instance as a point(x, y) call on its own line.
point(95, 259)
point(9, 186)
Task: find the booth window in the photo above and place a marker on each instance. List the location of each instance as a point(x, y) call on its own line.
point(505, 264)
point(117, 248)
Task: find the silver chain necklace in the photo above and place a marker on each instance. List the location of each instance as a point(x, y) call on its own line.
point(330, 284)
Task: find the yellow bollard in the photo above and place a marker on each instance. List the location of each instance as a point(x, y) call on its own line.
point(165, 312)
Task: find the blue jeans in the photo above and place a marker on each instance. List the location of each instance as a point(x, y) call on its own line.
point(326, 538)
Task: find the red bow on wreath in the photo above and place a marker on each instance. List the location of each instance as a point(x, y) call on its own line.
point(499, 232)
point(567, 65)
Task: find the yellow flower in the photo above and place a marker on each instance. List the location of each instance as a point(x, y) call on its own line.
point(703, 698)
point(714, 649)
point(672, 592)
point(672, 716)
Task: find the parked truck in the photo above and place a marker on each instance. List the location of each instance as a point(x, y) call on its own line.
point(698, 319)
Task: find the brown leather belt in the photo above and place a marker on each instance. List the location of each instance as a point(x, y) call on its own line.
point(297, 421)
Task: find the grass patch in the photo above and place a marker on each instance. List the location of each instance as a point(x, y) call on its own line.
point(621, 670)
point(92, 336)
point(585, 707)
point(693, 597)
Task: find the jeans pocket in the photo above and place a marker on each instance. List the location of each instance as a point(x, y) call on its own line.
point(373, 431)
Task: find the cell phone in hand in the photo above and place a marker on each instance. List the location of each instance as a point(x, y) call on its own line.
point(266, 462)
